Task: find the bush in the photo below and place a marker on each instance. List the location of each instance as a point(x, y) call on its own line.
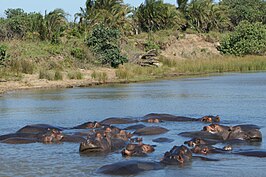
point(3, 49)
point(104, 42)
point(78, 53)
point(247, 39)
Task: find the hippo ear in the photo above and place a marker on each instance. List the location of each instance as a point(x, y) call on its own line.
point(230, 128)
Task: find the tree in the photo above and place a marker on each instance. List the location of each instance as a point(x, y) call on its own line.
point(109, 12)
point(247, 39)
point(204, 15)
point(154, 15)
point(104, 42)
point(249, 10)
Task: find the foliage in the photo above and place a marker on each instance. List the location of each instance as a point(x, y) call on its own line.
point(78, 53)
point(104, 42)
point(154, 15)
point(248, 38)
point(204, 16)
point(3, 49)
point(249, 10)
point(109, 12)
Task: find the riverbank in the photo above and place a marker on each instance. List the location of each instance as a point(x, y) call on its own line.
point(133, 73)
point(41, 65)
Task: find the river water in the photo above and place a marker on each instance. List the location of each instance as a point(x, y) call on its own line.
point(236, 98)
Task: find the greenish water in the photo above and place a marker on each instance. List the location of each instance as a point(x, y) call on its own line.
point(237, 98)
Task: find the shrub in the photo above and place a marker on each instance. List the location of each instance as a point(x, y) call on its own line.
point(3, 49)
point(58, 75)
point(104, 42)
point(78, 53)
point(247, 39)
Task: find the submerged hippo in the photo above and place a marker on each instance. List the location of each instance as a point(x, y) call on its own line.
point(135, 127)
point(155, 118)
point(242, 132)
point(103, 142)
point(162, 140)
point(129, 167)
point(177, 155)
point(205, 150)
point(51, 136)
point(38, 128)
point(153, 130)
point(199, 141)
point(88, 125)
point(115, 120)
point(137, 149)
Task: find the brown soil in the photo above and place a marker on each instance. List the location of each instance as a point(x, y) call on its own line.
point(190, 46)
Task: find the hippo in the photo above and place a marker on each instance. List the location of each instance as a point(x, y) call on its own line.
point(102, 143)
point(53, 136)
point(129, 167)
point(162, 140)
point(135, 127)
point(177, 155)
point(210, 119)
point(114, 120)
point(242, 132)
point(153, 130)
point(73, 138)
point(205, 150)
point(199, 141)
point(156, 118)
point(38, 128)
point(166, 117)
point(88, 125)
point(137, 149)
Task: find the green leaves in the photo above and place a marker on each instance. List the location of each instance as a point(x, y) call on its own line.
point(247, 39)
point(3, 49)
point(155, 15)
point(249, 10)
point(104, 42)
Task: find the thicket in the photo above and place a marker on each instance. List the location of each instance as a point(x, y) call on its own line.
point(104, 42)
point(247, 39)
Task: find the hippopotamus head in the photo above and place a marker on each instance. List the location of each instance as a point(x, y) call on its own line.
point(221, 130)
point(210, 119)
point(154, 120)
point(252, 134)
point(137, 149)
point(195, 141)
point(216, 128)
point(201, 149)
point(52, 136)
point(177, 155)
point(97, 143)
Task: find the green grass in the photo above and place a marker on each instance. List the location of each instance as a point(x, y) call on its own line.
point(130, 72)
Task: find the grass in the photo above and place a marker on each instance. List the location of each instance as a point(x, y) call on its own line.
point(99, 76)
point(130, 72)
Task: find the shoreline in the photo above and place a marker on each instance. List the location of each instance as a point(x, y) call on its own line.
point(38, 84)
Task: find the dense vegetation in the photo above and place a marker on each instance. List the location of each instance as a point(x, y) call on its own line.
point(102, 31)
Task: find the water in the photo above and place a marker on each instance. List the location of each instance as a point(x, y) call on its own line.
point(237, 98)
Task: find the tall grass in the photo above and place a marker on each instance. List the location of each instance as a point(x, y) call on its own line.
point(99, 76)
point(131, 72)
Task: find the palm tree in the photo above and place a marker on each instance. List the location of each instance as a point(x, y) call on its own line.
point(109, 12)
point(54, 22)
